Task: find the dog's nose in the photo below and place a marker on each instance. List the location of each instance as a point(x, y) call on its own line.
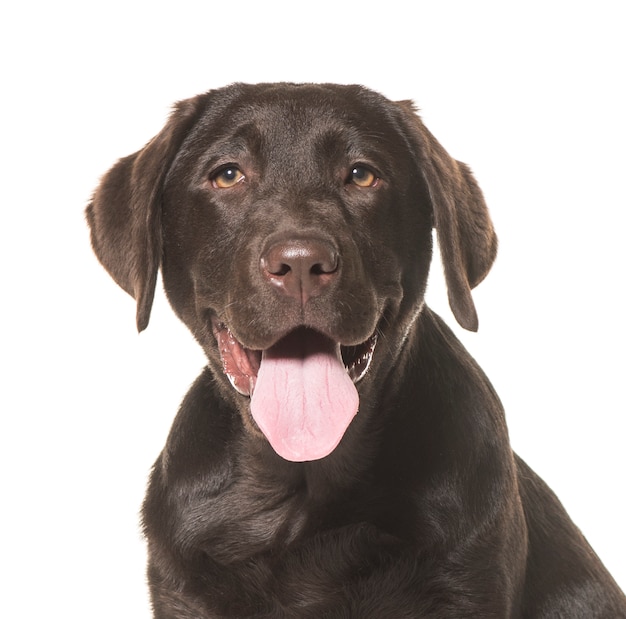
point(300, 268)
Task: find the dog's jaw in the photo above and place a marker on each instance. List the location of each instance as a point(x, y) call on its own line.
point(241, 365)
point(302, 389)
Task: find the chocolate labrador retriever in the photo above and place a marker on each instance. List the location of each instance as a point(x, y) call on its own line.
point(342, 455)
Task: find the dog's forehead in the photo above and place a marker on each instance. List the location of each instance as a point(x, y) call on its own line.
point(302, 102)
point(300, 114)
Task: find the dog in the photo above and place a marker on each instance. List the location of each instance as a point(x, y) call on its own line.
point(341, 455)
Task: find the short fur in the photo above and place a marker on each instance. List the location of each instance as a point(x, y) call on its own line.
point(422, 510)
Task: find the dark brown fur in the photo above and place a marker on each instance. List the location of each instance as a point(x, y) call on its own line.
point(422, 510)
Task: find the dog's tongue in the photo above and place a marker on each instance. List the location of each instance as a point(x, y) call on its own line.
point(303, 399)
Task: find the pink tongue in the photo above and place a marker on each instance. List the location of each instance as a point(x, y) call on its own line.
point(303, 399)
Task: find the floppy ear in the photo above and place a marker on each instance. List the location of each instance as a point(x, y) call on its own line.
point(466, 237)
point(125, 213)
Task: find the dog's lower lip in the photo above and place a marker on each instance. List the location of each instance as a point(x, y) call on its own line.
point(357, 359)
point(241, 364)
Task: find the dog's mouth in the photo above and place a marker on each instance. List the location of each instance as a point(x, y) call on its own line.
point(302, 389)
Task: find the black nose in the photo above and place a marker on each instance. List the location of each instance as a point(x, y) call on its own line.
point(300, 268)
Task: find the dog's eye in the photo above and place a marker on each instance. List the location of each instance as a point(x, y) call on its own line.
point(226, 177)
point(362, 176)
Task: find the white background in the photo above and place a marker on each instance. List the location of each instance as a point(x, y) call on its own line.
point(530, 94)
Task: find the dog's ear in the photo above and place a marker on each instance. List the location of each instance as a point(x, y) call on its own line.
point(466, 237)
point(125, 213)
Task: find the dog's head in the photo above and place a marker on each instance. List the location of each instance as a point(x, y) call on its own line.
point(292, 224)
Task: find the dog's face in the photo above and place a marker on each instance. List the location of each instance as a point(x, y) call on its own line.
point(293, 227)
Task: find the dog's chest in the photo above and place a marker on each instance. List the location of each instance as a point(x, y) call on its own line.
point(245, 519)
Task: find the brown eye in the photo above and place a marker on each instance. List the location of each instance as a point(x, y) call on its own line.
point(362, 176)
point(227, 177)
